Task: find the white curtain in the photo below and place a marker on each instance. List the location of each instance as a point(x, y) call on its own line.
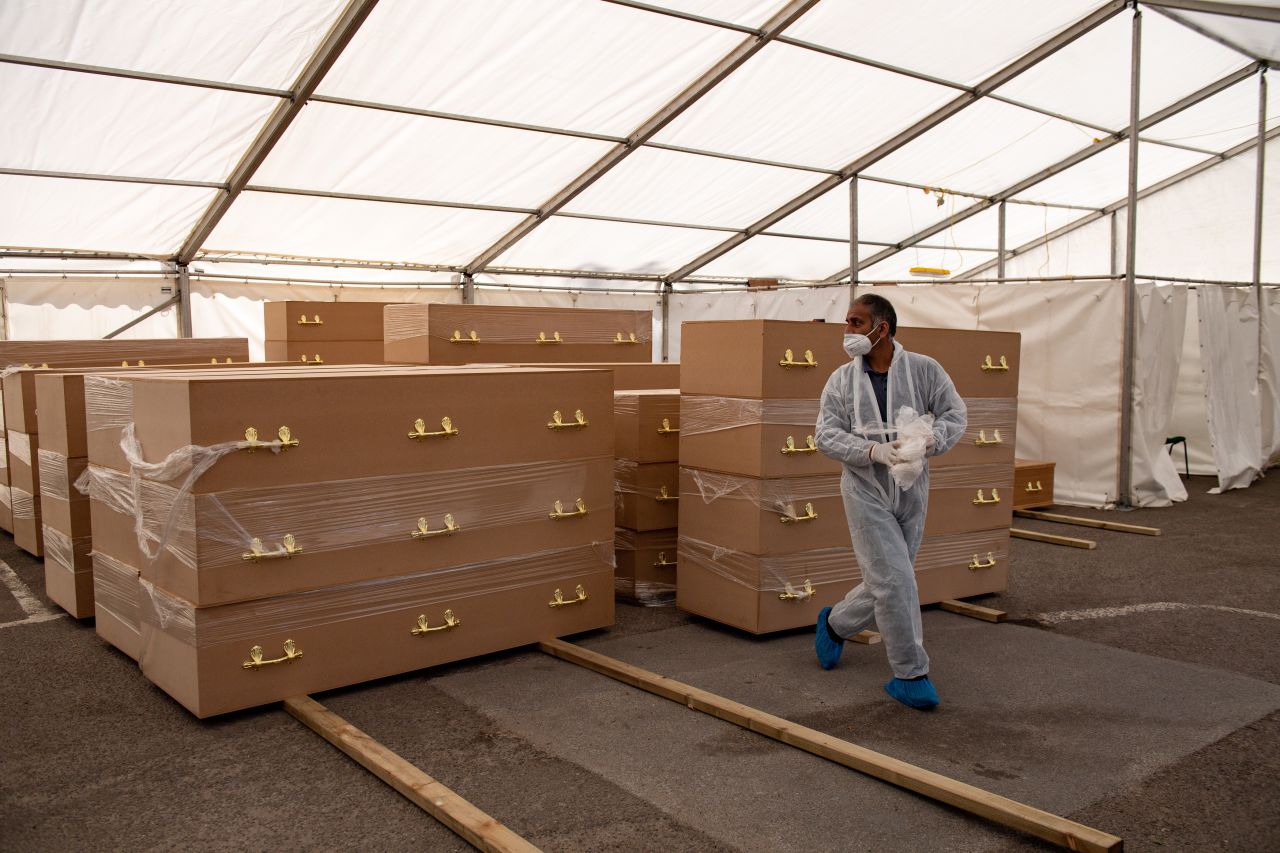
point(1270, 377)
point(1191, 399)
point(54, 307)
point(1229, 353)
point(1162, 320)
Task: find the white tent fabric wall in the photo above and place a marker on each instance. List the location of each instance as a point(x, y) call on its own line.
point(1229, 350)
point(1069, 369)
point(1162, 321)
point(47, 307)
point(1270, 377)
point(234, 309)
point(801, 303)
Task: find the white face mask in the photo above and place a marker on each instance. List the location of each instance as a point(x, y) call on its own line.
point(856, 345)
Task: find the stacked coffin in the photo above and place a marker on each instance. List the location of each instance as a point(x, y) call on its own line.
point(646, 484)
point(764, 543)
point(303, 530)
point(1032, 483)
point(20, 511)
point(463, 334)
point(324, 332)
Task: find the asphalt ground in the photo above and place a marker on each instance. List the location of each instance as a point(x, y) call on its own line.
point(1136, 691)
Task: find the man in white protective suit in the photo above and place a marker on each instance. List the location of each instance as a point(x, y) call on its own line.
point(864, 422)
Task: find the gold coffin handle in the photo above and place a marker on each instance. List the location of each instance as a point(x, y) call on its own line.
point(424, 531)
point(790, 446)
point(256, 660)
point(316, 360)
point(554, 339)
point(450, 621)
point(662, 563)
point(629, 339)
point(667, 429)
point(303, 321)
point(420, 429)
point(983, 441)
point(789, 360)
point(558, 422)
point(665, 497)
point(976, 564)
point(256, 552)
point(559, 513)
point(791, 594)
point(809, 515)
point(1036, 487)
point(1002, 366)
point(980, 500)
point(457, 338)
point(284, 440)
point(557, 598)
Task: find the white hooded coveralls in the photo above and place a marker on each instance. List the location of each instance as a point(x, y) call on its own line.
point(886, 523)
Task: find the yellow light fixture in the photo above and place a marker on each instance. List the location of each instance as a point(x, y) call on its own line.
point(929, 272)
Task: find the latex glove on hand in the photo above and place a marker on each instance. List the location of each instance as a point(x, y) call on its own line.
point(930, 443)
point(886, 454)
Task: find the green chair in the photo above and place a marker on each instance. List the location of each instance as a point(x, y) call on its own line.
point(1179, 439)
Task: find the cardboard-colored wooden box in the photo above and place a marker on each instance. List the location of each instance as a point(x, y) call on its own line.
point(1032, 484)
point(646, 566)
point(647, 425)
point(763, 359)
point(752, 438)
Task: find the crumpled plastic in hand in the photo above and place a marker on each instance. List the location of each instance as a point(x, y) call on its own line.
point(913, 439)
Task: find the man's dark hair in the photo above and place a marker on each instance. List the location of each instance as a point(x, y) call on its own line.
point(881, 311)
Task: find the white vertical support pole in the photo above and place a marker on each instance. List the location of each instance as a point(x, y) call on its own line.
point(666, 321)
point(1115, 243)
point(468, 289)
point(1000, 244)
point(4, 310)
point(1257, 212)
point(184, 301)
point(853, 238)
point(1130, 280)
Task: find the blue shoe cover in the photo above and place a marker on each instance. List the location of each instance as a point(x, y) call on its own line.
point(828, 649)
point(914, 694)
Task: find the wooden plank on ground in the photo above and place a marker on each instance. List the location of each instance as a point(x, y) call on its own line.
point(867, 638)
point(1087, 522)
point(993, 807)
point(1087, 544)
point(975, 611)
point(474, 826)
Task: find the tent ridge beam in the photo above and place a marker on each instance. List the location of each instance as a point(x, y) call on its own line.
point(1062, 165)
point(668, 113)
point(146, 76)
point(884, 149)
point(339, 36)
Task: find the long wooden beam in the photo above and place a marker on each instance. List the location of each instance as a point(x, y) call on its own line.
point(474, 826)
point(984, 804)
point(1050, 539)
point(1087, 522)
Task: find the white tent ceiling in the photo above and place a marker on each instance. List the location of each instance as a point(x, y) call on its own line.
point(600, 135)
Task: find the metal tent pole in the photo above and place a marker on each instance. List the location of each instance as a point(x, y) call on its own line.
point(1257, 227)
point(468, 289)
point(666, 321)
point(853, 238)
point(1000, 243)
point(1130, 280)
point(184, 301)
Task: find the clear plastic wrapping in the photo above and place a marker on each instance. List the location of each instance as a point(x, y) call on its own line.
point(6, 496)
point(108, 403)
point(510, 325)
point(624, 481)
point(988, 414)
point(786, 573)
point(55, 481)
point(956, 549)
point(914, 432)
point(975, 476)
point(115, 589)
point(61, 548)
point(24, 504)
point(219, 528)
point(20, 446)
point(248, 621)
point(634, 585)
point(780, 495)
point(699, 414)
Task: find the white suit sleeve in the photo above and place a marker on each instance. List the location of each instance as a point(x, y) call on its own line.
point(833, 433)
point(950, 415)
